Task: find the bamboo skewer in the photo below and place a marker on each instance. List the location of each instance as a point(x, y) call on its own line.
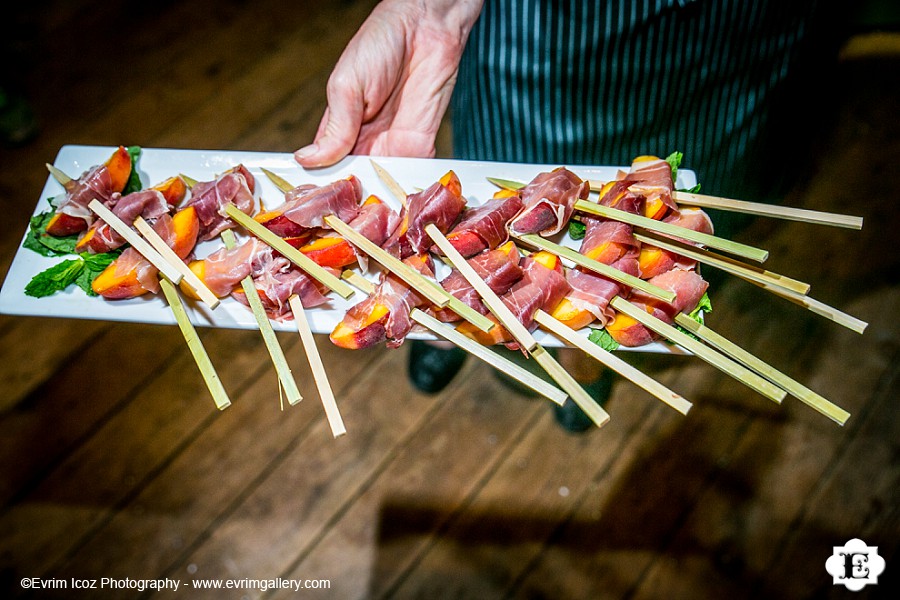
point(428, 288)
point(281, 183)
point(167, 253)
point(727, 264)
point(58, 175)
point(636, 376)
point(136, 241)
point(769, 210)
point(326, 394)
point(818, 307)
point(677, 231)
point(390, 182)
point(521, 334)
point(213, 383)
point(491, 300)
point(727, 204)
point(285, 377)
point(450, 334)
point(596, 266)
point(702, 351)
point(294, 255)
point(799, 391)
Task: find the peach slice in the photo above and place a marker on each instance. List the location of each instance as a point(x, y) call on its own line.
point(368, 334)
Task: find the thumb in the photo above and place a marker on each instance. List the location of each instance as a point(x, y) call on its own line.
point(337, 132)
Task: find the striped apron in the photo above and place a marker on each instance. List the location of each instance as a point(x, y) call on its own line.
point(601, 82)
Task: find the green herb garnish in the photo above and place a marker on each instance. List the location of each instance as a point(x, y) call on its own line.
point(674, 161)
point(576, 229)
point(602, 338)
point(80, 270)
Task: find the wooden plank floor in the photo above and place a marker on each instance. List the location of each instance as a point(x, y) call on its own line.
point(116, 463)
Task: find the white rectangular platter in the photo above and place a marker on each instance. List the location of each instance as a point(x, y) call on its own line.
point(157, 164)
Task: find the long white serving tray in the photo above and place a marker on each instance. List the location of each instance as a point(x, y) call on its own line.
point(157, 164)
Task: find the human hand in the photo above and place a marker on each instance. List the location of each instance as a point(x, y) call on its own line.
point(391, 87)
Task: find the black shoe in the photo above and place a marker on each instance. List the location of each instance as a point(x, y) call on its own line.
point(431, 368)
point(571, 417)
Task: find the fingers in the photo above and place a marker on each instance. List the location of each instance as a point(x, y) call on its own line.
point(338, 129)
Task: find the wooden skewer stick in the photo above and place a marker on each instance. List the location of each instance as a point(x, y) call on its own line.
point(450, 334)
point(213, 383)
point(596, 266)
point(491, 300)
point(519, 332)
point(702, 351)
point(727, 204)
point(636, 376)
point(769, 210)
point(294, 255)
point(428, 288)
point(190, 181)
point(281, 183)
point(167, 253)
point(318, 369)
point(818, 307)
point(136, 241)
point(523, 376)
point(726, 263)
point(677, 231)
point(58, 175)
point(268, 333)
point(390, 183)
point(799, 391)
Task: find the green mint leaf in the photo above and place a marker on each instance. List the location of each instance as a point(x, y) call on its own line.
point(602, 338)
point(703, 307)
point(94, 264)
point(693, 190)
point(134, 180)
point(56, 278)
point(576, 230)
point(38, 240)
point(674, 161)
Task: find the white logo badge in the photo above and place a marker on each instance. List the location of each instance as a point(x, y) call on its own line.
point(855, 565)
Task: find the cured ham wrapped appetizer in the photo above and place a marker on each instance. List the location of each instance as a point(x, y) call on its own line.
point(542, 286)
point(384, 315)
point(440, 204)
point(485, 227)
point(688, 287)
point(200, 218)
point(150, 204)
point(499, 268)
point(549, 201)
point(306, 206)
point(99, 182)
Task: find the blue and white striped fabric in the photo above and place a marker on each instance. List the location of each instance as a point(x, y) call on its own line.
point(601, 82)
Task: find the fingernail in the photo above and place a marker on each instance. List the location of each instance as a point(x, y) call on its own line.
point(306, 151)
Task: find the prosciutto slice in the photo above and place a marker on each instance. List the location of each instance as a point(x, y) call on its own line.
point(97, 183)
point(398, 298)
point(652, 178)
point(500, 270)
point(277, 281)
point(548, 202)
point(539, 287)
point(655, 261)
point(147, 274)
point(307, 205)
point(593, 293)
point(149, 204)
point(689, 288)
point(209, 199)
point(440, 204)
point(484, 227)
point(225, 268)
